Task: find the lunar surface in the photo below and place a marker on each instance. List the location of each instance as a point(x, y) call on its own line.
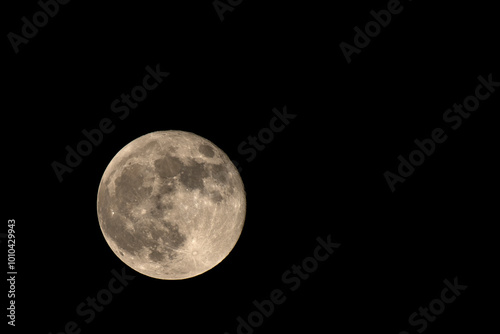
point(171, 205)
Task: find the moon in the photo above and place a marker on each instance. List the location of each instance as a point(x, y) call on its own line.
point(171, 205)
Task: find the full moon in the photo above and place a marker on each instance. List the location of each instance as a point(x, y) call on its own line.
point(171, 205)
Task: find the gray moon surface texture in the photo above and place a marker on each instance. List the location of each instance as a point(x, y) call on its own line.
point(171, 205)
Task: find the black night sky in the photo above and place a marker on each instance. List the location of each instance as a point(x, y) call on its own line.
point(372, 207)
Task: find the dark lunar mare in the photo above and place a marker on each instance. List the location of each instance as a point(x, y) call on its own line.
point(140, 194)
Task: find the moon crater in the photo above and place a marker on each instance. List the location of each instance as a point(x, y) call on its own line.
point(171, 205)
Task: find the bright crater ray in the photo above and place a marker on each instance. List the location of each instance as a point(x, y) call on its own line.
point(171, 205)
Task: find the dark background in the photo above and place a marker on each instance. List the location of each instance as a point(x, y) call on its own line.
point(322, 175)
